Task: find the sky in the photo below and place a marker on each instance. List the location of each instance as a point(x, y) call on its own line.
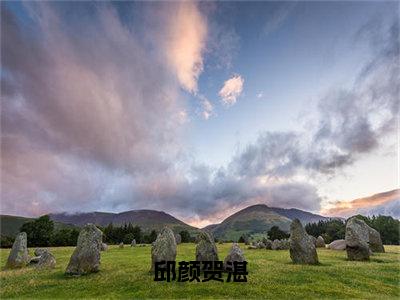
point(200, 109)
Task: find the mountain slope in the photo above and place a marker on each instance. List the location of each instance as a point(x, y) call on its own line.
point(10, 225)
point(253, 219)
point(259, 219)
point(146, 219)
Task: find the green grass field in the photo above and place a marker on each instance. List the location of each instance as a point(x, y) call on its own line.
point(124, 274)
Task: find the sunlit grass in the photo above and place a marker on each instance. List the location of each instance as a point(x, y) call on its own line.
point(124, 274)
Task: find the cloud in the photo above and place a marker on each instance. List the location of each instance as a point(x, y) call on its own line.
point(231, 90)
point(96, 123)
point(351, 123)
point(207, 109)
point(77, 111)
point(277, 15)
point(185, 43)
point(387, 203)
point(260, 95)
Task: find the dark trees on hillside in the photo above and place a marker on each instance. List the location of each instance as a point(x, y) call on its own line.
point(185, 236)
point(117, 234)
point(39, 231)
point(65, 237)
point(330, 230)
point(276, 234)
point(335, 229)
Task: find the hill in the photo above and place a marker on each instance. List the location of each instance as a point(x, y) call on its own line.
point(259, 219)
point(10, 225)
point(146, 219)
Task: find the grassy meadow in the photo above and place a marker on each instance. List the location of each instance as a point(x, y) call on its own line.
point(124, 274)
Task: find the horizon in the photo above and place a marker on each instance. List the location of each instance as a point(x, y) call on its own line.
point(200, 109)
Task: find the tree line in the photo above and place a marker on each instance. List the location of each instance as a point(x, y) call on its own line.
point(335, 229)
point(41, 232)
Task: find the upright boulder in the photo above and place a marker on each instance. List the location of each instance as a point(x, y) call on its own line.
point(320, 243)
point(314, 240)
point(302, 247)
point(206, 250)
point(268, 244)
point(276, 245)
point(375, 241)
point(164, 248)
point(18, 257)
point(235, 254)
point(86, 256)
point(133, 244)
point(337, 245)
point(357, 239)
point(46, 260)
point(103, 247)
point(121, 245)
point(178, 238)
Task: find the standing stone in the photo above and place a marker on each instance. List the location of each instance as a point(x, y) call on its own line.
point(46, 260)
point(206, 250)
point(178, 238)
point(375, 241)
point(164, 248)
point(337, 245)
point(268, 244)
point(18, 257)
point(39, 251)
point(121, 245)
point(320, 242)
point(285, 244)
point(235, 254)
point(357, 239)
point(302, 247)
point(314, 240)
point(276, 244)
point(86, 256)
point(133, 244)
point(103, 247)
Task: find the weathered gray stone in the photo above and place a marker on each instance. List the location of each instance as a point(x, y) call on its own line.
point(18, 257)
point(103, 247)
point(39, 251)
point(251, 247)
point(337, 245)
point(235, 254)
point(375, 241)
point(276, 245)
point(357, 239)
point(261, 245)
point(206, 249)
point(178, 238)
point(121, 245)
point(133, 244)
point(285, 244)
point(302, 247)
point(268, 244)
point(46, 261)
point(164, 248)
point(86, 256)
point(320, 242)
point(314, 240)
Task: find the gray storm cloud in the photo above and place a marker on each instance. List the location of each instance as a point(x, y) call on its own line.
point(91, 121)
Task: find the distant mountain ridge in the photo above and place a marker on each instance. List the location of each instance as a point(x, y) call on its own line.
point(253, 219)
point(259, 218)
point(145, 218)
